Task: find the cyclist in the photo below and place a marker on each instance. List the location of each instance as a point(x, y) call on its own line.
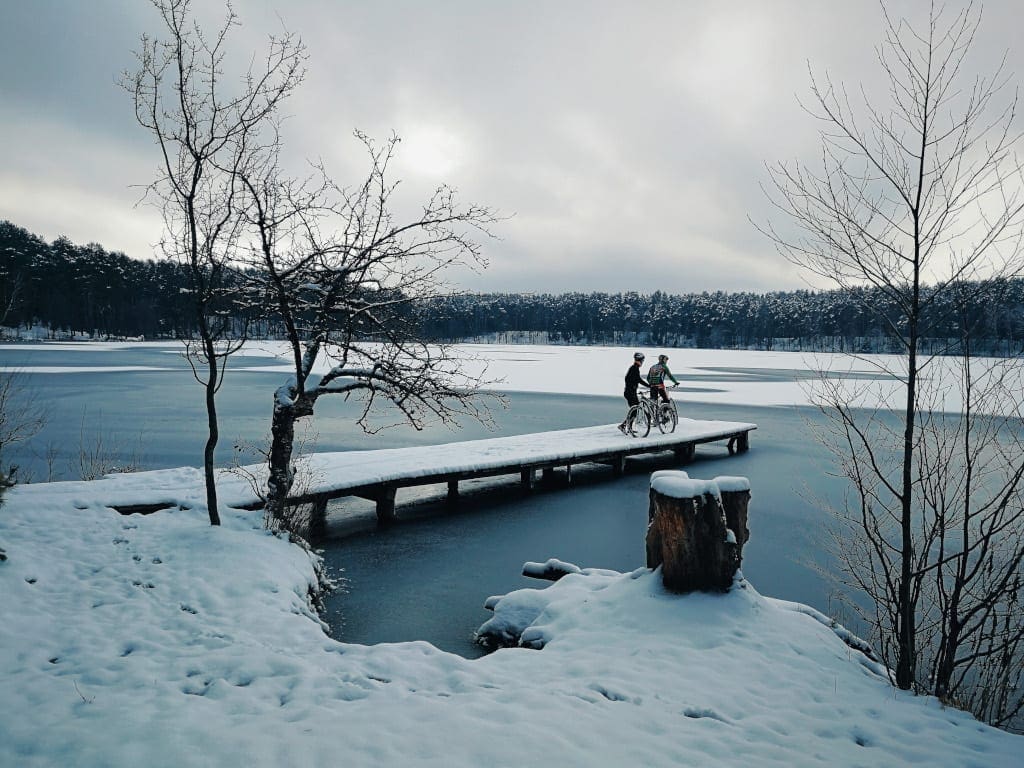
point(656, 378)
point(633, 380)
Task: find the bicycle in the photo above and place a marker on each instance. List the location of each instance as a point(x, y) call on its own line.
point(647, 412)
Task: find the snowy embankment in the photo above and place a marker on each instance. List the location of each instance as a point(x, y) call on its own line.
point(161, 641)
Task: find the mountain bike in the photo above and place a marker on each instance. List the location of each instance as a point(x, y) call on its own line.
point(651, 412)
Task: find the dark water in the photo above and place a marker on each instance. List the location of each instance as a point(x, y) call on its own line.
point(157, 419)
point(427, 578)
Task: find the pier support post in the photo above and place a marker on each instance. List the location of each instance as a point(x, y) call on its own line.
point(685, 452)
point(618, 465)
point(526, 479)
point(386, 505)
point(318, 519)
point(453, 490)
point(739, 443)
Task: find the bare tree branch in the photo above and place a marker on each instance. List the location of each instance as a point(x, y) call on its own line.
point(920, 195)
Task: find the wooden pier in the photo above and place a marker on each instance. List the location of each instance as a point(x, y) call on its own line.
point(378, 475)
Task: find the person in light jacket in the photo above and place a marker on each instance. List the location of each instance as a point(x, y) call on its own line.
point(656, 378)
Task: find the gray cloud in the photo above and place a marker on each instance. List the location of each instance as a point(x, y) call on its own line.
point(629, 140)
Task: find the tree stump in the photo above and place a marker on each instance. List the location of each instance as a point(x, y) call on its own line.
point(696, 530)
point(735, 496)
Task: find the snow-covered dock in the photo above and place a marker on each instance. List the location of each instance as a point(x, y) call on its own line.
point(378, 474)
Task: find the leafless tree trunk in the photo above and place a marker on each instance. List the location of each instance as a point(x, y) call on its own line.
point(920, 198)
point(21, 419)
point(206, 138)
point(343, 278)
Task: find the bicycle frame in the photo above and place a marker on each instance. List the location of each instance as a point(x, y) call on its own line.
point(650, 411)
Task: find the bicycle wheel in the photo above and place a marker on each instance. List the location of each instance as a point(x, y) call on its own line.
point(667, 417)
point(658, 417)
point(637, 422)
point(644, 422)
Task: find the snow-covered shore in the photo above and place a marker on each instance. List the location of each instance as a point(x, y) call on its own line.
point(158, 640)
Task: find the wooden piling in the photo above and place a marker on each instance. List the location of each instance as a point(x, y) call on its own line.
point(526, 479)
point(386, 505)
point(318, 518)
point(685, 453)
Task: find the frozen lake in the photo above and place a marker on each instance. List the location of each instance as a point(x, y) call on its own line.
point(428, 579)
point(440, 567)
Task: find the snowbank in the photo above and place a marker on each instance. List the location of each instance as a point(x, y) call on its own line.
point(160, 641)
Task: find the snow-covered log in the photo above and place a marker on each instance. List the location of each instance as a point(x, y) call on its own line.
point(552, 570)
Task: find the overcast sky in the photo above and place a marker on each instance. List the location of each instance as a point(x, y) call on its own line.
point(627, 141)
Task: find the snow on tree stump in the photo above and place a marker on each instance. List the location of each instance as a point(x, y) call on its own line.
point(696, 530)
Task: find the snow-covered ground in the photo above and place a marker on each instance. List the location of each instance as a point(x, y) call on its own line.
point(158, 640)
point(708, 375)
point(161, 641)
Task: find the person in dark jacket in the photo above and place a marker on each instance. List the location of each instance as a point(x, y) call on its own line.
point(633, 380)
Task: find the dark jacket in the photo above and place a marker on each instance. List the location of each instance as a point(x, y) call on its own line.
point(634, 379)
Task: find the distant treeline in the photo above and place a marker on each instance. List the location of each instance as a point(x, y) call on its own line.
point(804, 320)
point(69, 289)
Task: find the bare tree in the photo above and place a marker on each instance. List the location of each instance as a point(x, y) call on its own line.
point(205, 137)
point(343, 276)
point(968, 528)
point(971, 464)
point(920, 198)
point(21, 419)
